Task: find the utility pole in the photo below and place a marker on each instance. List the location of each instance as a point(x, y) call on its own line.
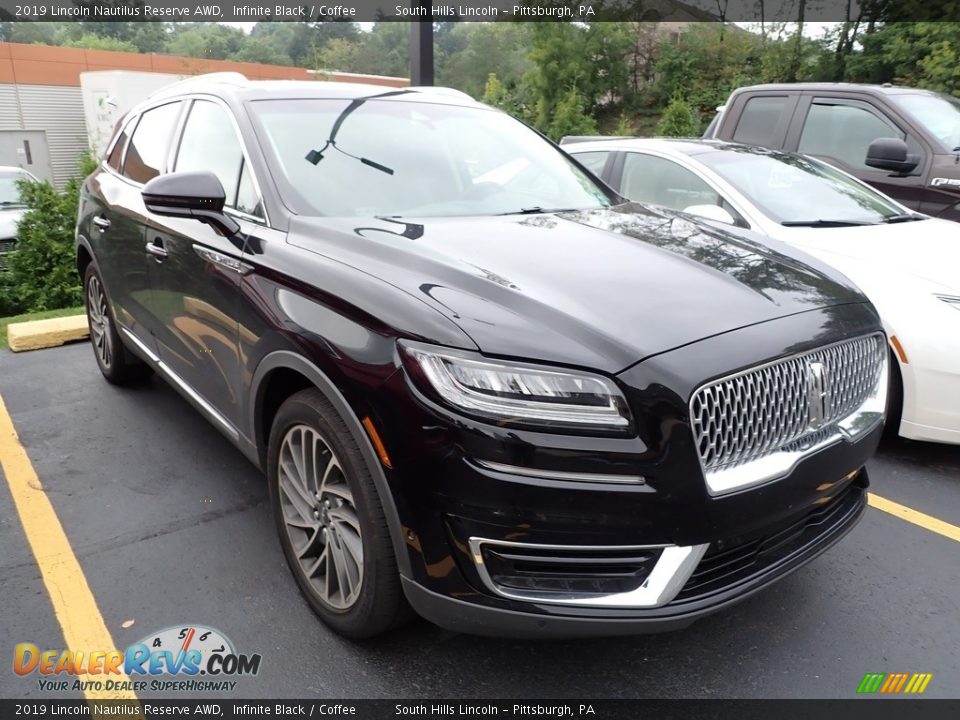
point(421, 46)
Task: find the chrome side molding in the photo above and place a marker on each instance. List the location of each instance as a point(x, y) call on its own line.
point(205, 407)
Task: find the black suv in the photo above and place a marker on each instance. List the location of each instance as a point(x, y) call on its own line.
point(479, 383)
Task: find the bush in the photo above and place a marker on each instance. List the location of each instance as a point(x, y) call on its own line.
point(43, 271)
point(570, 117)
point(678, 120)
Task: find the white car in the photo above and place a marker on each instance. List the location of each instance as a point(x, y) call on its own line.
point(908, 264)
point(11, 208)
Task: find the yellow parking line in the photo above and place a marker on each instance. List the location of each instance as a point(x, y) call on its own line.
point(74, 605)
point(927, 522)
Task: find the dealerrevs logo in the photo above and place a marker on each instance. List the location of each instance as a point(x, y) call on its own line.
point(183, 652)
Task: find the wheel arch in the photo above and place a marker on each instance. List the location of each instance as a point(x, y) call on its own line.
point(289, 372)
point(84, 256)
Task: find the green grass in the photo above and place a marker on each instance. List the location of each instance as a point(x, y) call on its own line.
point(42, 315)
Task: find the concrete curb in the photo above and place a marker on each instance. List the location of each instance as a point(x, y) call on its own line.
point(38, 334)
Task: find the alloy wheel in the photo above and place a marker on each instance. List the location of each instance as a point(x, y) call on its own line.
point(99, 318)
point(320, 517)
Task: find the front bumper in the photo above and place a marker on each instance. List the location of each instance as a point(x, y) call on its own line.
point(720, 579)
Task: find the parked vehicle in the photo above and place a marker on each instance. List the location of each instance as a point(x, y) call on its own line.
point(907, 263)
point(477, 380)
point(12, 210)
point(904, 141)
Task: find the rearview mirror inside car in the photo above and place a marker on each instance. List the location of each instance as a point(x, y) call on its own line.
point(196, 194)
point(891, 154)
point(711, 212)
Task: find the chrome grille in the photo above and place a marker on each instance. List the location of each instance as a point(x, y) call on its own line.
point(752, 414)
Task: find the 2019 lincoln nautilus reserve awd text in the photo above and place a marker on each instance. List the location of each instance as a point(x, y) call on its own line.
point(481, 385)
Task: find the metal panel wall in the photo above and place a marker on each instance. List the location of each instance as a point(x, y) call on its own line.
point(9, 108)
point(58, 111)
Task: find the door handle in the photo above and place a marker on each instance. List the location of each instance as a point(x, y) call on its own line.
point(101, 223)
point(157, 249)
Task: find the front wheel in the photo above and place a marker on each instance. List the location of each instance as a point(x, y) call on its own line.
point(116, 363)
point(331, 524)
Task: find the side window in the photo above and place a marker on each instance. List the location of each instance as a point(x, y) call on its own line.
point(593, 161)
point(843, 132)
point(116, 155)
point(150, 142)
point(759, 120)
point(210, 143)
point(657, 181)
point(248, 201)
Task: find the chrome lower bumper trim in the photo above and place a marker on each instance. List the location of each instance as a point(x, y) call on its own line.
point(560, 475)
point(671, 572)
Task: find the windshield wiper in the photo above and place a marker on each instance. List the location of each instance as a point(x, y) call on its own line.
point(825, 223)
point(537, 210)
point(903, 217)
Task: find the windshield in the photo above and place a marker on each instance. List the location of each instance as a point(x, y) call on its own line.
point(9, 194)
point(795, 189)
point(398, 158)
point(938, 113)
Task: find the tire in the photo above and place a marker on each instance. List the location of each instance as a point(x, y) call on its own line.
point(330, 521)
point(117, 364)
point(891, 428)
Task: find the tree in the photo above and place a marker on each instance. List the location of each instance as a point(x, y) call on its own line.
point(98, 42)
point(705, 64)
point(922, 54)
point(206, 40)
point(43, 267)
point(570, 118)
point(678, 120)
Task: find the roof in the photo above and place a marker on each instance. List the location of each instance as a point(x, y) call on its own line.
point(683, 146)
point(237, 87)
point(885, 89)
point(48, 65)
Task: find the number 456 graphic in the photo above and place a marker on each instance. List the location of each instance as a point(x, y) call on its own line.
point(895, 683)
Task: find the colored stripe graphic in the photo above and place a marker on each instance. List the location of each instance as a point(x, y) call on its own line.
point(894, 683)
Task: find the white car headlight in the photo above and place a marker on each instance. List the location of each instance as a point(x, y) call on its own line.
point(954, 301)
point(511, 393)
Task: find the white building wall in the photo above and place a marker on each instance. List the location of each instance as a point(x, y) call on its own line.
point(55, 110)
point(58, 111)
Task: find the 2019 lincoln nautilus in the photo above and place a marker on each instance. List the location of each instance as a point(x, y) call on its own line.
point(481, 385)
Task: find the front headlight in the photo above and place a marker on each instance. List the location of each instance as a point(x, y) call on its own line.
point(952, 301)
point(523, 394)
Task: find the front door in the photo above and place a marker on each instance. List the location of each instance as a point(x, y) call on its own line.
point(195, 273)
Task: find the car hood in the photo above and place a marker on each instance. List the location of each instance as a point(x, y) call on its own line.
point(926, 250)
point(601, 289)
point(8, 222)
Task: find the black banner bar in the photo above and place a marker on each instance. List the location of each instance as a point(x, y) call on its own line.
point(857, 709)
point(768, 11)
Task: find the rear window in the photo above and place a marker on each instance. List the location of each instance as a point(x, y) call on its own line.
point(150, 143)
point(759, 120)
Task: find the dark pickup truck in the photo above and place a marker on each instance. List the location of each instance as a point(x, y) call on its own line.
point(903, 141)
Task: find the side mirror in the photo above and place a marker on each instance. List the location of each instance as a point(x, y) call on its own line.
point(196, 194)
point(711, 212)
point(891, 154)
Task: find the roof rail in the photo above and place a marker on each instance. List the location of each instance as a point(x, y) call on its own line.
point(439, 90)
point(227, 78)
point(567, 139)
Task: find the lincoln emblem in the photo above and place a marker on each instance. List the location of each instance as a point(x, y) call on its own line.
point(818, 394)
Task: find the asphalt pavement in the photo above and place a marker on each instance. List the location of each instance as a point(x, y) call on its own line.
point(171, 526)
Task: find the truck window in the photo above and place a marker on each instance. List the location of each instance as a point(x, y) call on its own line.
point(759, 120)
point(843, 132)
